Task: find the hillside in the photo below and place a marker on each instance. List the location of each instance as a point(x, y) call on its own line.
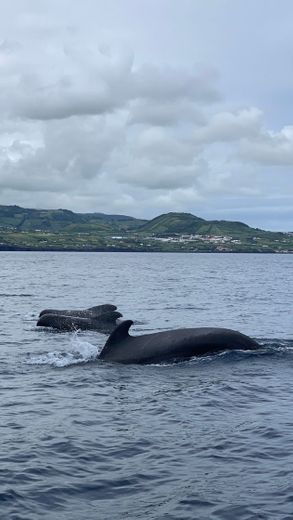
point(171, 223)
point(186, 223)
point(62, 220)
point(64, 230)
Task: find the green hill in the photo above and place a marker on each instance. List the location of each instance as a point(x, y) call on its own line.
point(172, 223)
point(64, 230)
point(65, 221)
point(185, 223)
point(62, 220)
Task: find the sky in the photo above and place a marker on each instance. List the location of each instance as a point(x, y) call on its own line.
point(141, 107)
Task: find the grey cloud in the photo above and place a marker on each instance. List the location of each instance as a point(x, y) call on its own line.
point(93, 128)
point(61, 103)
point(165, 113)
point(164, 146)
point(156, 158)
point(146, 174)
point(71, 156)
point(8, 47)
point(168, 83)
point(230, 126)
point(270, 149)
point(60, 79)
point(56, 82)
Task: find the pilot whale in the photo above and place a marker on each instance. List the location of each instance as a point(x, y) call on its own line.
point(105, 323)
point(85, 313)
point(175, 344)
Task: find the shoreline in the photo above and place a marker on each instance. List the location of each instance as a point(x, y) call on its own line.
point(116, 250)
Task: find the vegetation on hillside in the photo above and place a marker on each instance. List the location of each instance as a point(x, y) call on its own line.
point(63, 230)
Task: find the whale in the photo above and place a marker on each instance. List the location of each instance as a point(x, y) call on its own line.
point(83, 313)
point(105, 323)
point(177, 344)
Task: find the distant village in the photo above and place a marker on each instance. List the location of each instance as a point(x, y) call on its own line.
point(60, 230)
point(216, 239)
point(221, 243)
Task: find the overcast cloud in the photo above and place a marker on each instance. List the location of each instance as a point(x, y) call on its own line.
point(143, 107)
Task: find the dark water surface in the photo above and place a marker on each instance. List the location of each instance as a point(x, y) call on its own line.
point(206, 439)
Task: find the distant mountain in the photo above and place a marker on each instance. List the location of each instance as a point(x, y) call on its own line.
point(169, 224)
point(63, 220)
point(186, 223)
point(63, 230)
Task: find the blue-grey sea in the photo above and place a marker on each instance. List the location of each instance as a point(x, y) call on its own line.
point(205, 439)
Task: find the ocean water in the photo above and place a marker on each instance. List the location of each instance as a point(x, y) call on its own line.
point(205, 439)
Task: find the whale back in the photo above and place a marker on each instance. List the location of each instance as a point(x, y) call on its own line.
point(171, 344)
point(119, 334)
point(103, 323)
point(100, 309)
point(97, 310)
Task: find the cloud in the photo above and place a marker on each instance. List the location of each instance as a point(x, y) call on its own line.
point(95, 126)
point(70, 154)
point(231, 126)
point(62, 79)
point(166, 83)
point(270, 148)
point(165, 113)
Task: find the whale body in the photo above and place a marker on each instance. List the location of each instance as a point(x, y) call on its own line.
point(85, 313)
point(178, 344)
point(105, 323)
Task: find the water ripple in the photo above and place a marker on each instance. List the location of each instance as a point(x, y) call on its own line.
point(209, 438)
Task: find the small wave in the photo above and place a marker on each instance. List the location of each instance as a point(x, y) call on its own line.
point(275, 347)
point(278, 344)
point(80, 352)
point(12, 295)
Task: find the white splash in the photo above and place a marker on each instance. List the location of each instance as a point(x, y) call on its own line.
point(79, 351)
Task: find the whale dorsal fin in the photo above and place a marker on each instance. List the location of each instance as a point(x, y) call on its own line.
point(117, 336)
point(120, 333)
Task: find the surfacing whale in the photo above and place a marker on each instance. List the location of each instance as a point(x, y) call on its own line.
point(105, 323)
point(176, 344)
point(83, 313)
